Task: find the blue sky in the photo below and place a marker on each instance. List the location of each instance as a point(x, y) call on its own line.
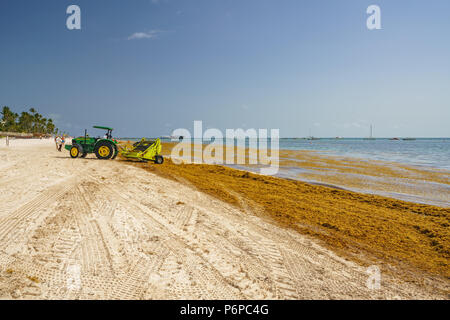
point(300, 66)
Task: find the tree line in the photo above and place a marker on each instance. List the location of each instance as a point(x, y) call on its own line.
point(26, 122)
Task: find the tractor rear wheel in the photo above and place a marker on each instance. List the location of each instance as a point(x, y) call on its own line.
point(104, 150)
point(159, 159)
point(75, 151)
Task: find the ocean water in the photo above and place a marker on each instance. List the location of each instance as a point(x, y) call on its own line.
point(422, 152)
point(431, 152)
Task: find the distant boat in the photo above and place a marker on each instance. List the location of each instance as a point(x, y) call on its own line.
point(180, 138)
point(394, 139)
point(409, 139)
point(311, 137)
point(371, 136)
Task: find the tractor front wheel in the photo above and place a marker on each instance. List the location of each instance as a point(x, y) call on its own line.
point(159, 159)
point(75, 151)
point(104, 150)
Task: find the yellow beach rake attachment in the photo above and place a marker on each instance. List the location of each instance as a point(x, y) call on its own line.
point(144, 150)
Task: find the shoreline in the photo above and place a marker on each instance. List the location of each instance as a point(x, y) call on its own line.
point(341, 154)
point(392, 179)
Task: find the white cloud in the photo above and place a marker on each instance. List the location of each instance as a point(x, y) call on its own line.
point(152, 34)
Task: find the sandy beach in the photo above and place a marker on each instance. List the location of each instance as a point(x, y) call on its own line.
point(93, 229)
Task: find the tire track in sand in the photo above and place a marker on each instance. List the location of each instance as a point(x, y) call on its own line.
point(96, 258)
point(212, 283)
point(17, 224)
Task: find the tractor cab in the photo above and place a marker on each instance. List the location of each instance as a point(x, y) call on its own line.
point(108, 131)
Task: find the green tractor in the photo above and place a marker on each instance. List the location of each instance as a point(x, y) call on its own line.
point(104, 148)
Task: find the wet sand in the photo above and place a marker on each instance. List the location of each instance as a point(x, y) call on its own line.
point(392, 179)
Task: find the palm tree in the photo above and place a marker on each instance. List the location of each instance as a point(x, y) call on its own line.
point(25, 122)
point(36, 122)
point(30, 122)
point(8, 119)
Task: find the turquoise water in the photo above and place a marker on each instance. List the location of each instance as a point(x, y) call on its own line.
point(424, 152)
point(433, 152)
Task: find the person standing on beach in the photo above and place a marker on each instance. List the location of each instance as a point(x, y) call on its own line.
point(58, 143)
point(7, 141)
point(63, 142)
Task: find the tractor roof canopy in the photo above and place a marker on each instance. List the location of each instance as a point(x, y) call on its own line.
point(105, 128)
